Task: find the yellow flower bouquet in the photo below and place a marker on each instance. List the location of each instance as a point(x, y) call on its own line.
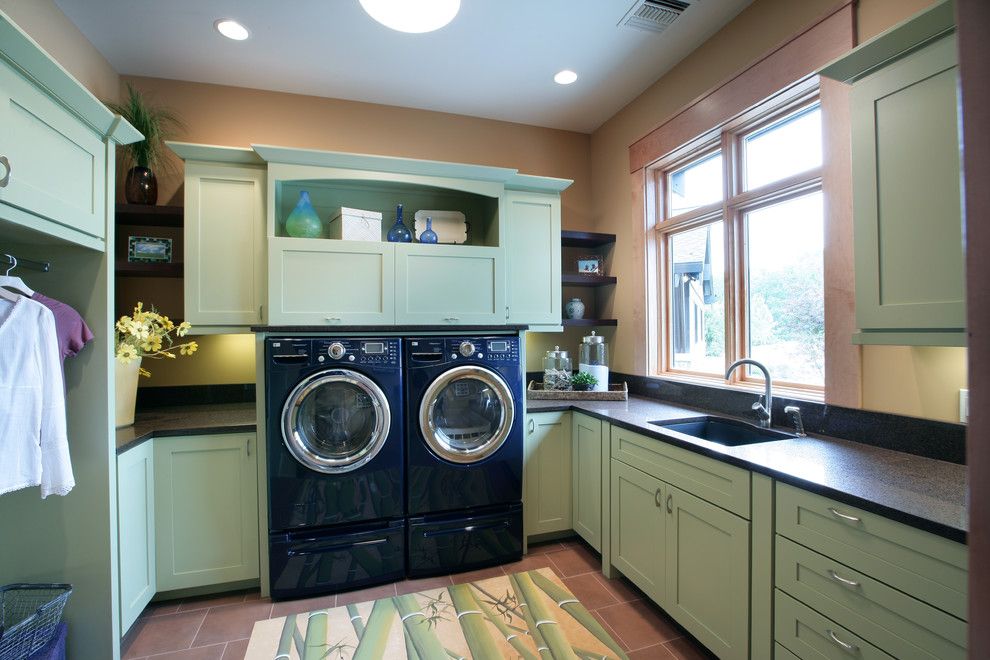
point(149, 334)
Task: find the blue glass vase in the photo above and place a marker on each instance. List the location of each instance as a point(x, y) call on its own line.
point(303, 221)
point(428, 236)
point(398, 233)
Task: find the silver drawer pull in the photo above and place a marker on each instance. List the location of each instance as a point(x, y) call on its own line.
point(451, 319)
point(333, 319)
point(845, 646)
point(841, 580)
point(844, 516)
point(656, 498)
point(6, 171)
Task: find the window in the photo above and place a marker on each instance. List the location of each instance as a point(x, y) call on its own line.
point(740, 238)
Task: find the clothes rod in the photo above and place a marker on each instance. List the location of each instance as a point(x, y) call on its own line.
point(13, 262)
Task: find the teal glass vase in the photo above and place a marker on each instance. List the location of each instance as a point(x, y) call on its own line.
point(303, 222)
point(428, 235)
point(399, 233)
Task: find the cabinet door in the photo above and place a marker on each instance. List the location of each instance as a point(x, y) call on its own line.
point(317, 281)
point(906, 199)
point(206, 510)
point(533, 256)
point(224, 244)
point(707, 588)
point(58, 165)
point(547, 468)
point(587, 478)
point(449, 285)
point(136, 531)
point(637, 527)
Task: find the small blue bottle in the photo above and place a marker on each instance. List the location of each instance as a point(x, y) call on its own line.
point(399, 233)
point(428, 236)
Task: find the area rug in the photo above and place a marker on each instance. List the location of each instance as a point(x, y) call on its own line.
point(528, 615)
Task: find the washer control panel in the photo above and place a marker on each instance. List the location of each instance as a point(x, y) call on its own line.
point(493, 350)
point(357, 351)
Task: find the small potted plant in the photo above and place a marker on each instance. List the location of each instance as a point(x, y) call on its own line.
point(157, 124)
point(583, 381)
point(143, 334)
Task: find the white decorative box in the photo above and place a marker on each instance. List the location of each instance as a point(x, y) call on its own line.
point(450, 226)
point(355, 225)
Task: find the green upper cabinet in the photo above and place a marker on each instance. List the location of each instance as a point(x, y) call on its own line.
point(586, 463)
point(206, 510)
point(449, 284)
point(224, 275)
point(909, 259)
point(136, 531)
point(547, 473)
point(533, 256)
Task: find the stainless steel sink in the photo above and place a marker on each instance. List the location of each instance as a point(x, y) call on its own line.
point(723, 431)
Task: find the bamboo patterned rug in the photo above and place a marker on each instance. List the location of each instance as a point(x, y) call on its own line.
point(525, 615)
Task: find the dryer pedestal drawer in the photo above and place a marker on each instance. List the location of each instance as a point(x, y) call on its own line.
point(461, 542)
point(329, 560)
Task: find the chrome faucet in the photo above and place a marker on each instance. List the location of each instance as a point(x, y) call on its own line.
point(763, 407)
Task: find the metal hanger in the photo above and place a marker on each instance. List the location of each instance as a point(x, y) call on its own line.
point(16, 283)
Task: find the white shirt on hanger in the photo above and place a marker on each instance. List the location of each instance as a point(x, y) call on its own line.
point(34, 449)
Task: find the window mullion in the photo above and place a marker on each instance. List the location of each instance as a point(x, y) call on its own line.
point(729, 287)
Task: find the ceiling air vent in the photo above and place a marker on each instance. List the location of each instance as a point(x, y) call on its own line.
point(653, 15)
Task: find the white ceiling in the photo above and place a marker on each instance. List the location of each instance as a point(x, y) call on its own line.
point(495, 60)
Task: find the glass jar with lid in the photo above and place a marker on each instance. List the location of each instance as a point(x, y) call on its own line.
point(557, 370)
point(593, 359)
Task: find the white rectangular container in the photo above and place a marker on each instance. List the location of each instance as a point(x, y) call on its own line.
point(355, 225)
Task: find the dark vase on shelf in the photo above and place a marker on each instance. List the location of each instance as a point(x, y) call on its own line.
point(141, 186)
point(428, 236)
point(399, 233)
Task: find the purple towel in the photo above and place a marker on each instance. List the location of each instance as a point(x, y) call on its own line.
point(55, 648)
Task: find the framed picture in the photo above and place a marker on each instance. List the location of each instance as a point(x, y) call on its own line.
point(149, 250)
point(591, 265)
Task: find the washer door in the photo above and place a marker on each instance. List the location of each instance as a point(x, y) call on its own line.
point(335, 421)
point(466, 414)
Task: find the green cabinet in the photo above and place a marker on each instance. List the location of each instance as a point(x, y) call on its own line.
point(547, 473)
point(533, 254)
point(639, 529)
point(224, 273)
point(906, 184)
point(586, 477)
point(206, 510)
point(136, 531)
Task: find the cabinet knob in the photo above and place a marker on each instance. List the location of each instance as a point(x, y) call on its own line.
point(6, 171)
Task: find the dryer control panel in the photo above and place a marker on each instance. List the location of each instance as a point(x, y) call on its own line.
point(439, 350)
point(376, 352)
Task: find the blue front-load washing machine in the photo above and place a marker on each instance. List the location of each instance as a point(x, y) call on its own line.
point(335, 425)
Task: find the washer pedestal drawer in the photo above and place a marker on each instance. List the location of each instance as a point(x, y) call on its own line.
point(452, 543)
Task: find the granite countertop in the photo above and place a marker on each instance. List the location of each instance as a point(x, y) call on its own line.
point(922, 492)
point(187, 420)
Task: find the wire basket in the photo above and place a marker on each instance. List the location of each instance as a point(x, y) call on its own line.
point(29, 614)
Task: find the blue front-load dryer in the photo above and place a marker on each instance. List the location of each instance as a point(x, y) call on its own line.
point(464, 452)
point(335, 424)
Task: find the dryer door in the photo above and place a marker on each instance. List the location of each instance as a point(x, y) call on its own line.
point(335, 421)
point(466, 414)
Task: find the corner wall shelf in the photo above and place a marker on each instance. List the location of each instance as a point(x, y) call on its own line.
point(585, 239)
point(149, 216)
point(577, 279)
point(588, 322)
point(124, 267)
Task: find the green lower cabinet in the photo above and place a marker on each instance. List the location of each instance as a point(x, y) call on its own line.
point(707, 589)
point(206, 510)
point(547, 470)
point(136, 531)
point(814, 637)
point(586, 434)
point(638, 528)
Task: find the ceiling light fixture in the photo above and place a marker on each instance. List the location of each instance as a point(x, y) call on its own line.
point(565, 77)
point(414, 16)
point(231, 29)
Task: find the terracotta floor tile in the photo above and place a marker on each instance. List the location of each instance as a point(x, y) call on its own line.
point(213, 652)
point(575, 560)
point(686, 648)
point(361, 595)
point(545, 547)
point(529, 563)
point(254, 594)
point(206, 602)
point(480, 574)
point(161, 634)
point(655, 652)
point(422, 584)
point(639, 624)
point(611, 631)
point(622, 589)
point(590, 591)
point(223, 624)
point(236, 650)
point(284, 607)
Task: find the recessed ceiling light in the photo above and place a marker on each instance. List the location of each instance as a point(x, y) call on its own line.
point(412, 15)
point(231, 29)
point(565, 77)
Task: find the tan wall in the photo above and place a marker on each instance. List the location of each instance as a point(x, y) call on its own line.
point(55, 33)
point(220, 360)
point(917, 381)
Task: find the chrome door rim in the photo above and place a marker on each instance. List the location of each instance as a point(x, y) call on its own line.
point(429, 402)
point(312, 460)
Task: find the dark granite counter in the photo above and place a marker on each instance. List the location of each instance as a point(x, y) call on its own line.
point(922, 492)
point(187, 420)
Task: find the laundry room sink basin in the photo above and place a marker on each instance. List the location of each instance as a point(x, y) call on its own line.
point(723, 431)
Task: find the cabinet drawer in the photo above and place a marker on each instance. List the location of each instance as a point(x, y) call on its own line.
point(724, 485)
point(898, 624)
point(920, 564)
point(780, 653)
point(815, 637)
